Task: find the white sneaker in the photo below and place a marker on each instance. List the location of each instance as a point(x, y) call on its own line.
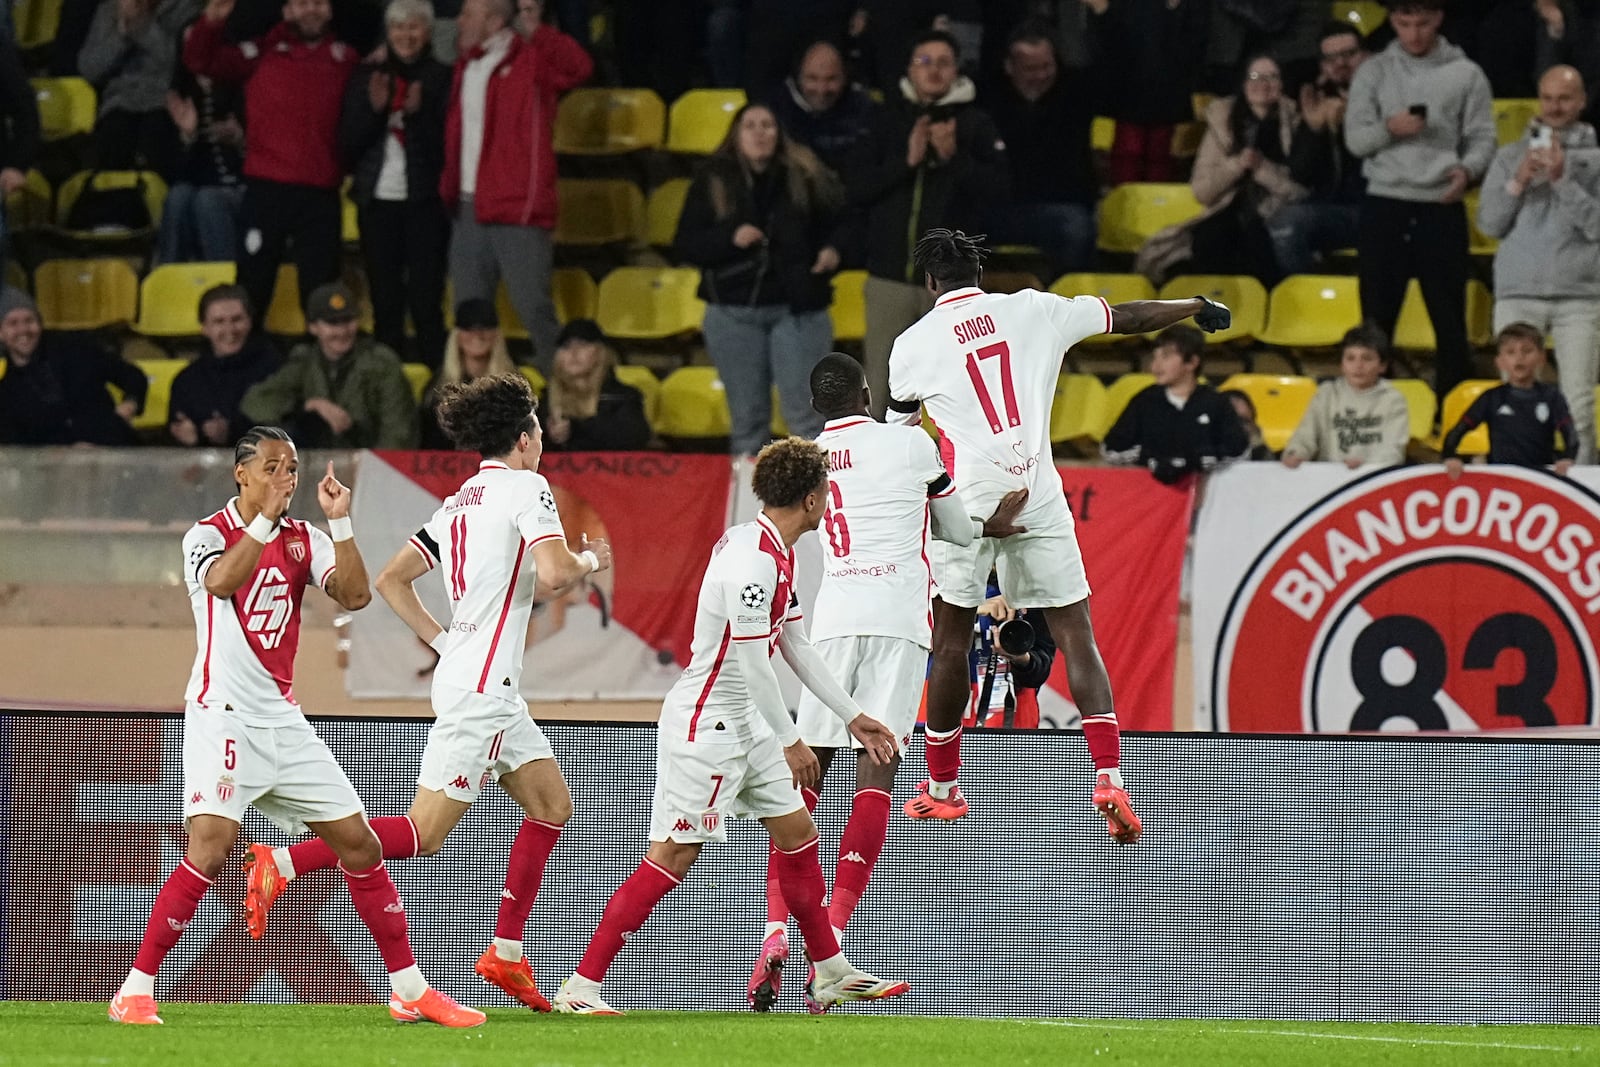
point(579, 996)
point(852, 984)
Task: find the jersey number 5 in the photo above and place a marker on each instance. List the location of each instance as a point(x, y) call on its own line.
point(1007, 390)
point(833, 519)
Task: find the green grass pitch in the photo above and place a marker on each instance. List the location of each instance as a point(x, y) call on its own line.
point(211, 1035)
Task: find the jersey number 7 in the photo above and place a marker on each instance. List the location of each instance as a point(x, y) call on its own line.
point(1007, 390)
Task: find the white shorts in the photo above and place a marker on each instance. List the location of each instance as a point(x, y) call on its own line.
point(700, 785)
point(285, 772)
point(1042, 568)
point(475, 738)
point(885, 675)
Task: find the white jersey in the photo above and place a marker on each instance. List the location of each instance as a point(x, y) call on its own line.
point(747, 594)
point(875, 577)
point(483, 539)
point(985, 367)
point(244, 663)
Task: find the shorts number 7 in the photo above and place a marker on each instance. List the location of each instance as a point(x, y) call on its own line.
point(716, 787)
point(1003, 350)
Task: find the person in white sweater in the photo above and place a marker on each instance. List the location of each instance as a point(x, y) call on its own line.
point(1359, 417)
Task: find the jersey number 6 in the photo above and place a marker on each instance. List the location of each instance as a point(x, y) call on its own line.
point(1007, 390)
point(833, 519)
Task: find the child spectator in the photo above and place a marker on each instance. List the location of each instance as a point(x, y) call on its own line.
point(474, 348)
point(206, 394)
point(1245, 408)
point(1524, 414)
point(54, 388)
point(585, 408)
point(1177, 426)
point(1358, 418)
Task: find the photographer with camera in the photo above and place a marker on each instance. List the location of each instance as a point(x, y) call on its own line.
point(1011, 659)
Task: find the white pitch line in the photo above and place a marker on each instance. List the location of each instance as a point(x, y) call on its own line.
point(1326, 1036)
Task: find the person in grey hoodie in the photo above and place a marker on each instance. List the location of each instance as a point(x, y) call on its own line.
point(1542, 199)
point(1358, 418)
point(130, 57)
point(1421, 116)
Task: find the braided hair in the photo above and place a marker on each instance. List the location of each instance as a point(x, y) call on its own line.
point(950, 257)
point(245, 449)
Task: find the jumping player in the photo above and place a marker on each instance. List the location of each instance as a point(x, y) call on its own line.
point(725, 744)
point(497, 537)
point(985, 365)
point(246, 741)
point(871, 627)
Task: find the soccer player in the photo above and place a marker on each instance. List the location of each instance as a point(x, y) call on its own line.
point(985, 365)
point(246, 741)
point(885, 483)
point(725, 744)
point(498, 537)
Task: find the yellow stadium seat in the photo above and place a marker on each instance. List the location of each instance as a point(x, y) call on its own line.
point(29, 207)
point(286, 315)
point(1414, 329)
point(1078, 412)
point(1186, 138)
point(1421, 404)
point(1246, 298)
point(1365, 15)
point(418, 375)
point(1312, 310)
point(16, 277)
point(1281, 401)
point(643, 379)
point(155, 196)
point(780, 428)
point(662, 209)
point(1118, 393)
point(1102, 133)
point(349, 218)
point(510, 322)
point(85, 294)
point(609, 122)
point(1511, 117)
point(1478, 242)
point(598, 211)
point(700, 118)
point(1131, 213)
point(1112, 288)
point(694, 404)
point(575, 294)
point(37, 22)
point(66, 107)
point(158, 401)
point(535, 379)
point(849, 307)
point(169, 297)
point(650, 303)
point(1456, 403)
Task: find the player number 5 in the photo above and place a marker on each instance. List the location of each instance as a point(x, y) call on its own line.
point(1007, 390)
point(230, 758)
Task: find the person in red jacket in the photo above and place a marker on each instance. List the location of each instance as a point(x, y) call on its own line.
point(294, 81)
point(500, 161)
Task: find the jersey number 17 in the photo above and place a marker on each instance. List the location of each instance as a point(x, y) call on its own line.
point(1007, 391)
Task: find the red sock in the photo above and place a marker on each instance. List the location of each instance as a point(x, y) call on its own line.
point(175, 906)
point(859, 849)
point(625, 912)
point(943, 751)
point(524, 872)
point(800, 874)
point(1105, 741)
point(777, 907)
point(396, 833)
point(377, 901)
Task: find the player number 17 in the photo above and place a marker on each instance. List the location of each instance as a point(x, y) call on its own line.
point(1007, 390)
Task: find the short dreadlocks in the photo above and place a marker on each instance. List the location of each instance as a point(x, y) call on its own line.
point(950, 256)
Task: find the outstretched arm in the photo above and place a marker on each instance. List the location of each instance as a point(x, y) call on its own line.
point(1142, 316)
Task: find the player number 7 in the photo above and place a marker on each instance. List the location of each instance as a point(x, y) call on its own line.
point(1009, 392)
point(716, 787)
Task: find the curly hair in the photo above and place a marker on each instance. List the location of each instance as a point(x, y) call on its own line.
point(488, 414)
point(787, 470)
point(950, 256)
point(837, 383)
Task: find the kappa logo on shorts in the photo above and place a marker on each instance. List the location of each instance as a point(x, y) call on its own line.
point(682, 826)
point(461, 782)
point(197, 798)
point(753, 596)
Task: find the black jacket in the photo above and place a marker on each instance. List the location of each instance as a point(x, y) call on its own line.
point(1320, 161)
point(60, 397)
point(1173, 442)
point(19, 113)
point(1047, 141)
point(833, 134)
point(205, 161)
point(363, 131)
point(1523, 425)
point(1146, 55)
point(211, 386)
point(618, 425)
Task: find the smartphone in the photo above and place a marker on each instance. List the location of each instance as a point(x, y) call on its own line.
point(1541, 138)
point(1419, 110)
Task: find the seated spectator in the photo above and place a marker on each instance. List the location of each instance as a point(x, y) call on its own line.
point(200, 220)
point(1148, 65)
point(339, 390)
point(54, 388)
point(1525, 416)
point(392, 133)
point(474, 348)
point(1177, 426)
point(585, 408)
point(1358, 418)
point(204, 409)
point(1242, 177)
point(1245, 408)
point(1045, 120)
point(130, 56)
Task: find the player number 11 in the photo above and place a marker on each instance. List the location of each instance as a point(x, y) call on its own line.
point(1007, 390)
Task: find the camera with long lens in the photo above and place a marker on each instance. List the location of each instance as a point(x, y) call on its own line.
point(1016, 636)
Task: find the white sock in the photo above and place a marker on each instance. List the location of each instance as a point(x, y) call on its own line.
point(940, 790)
point(579, 984)
point(838, 935)
point(280, 856)
point(138, 984)
point(409, 983)
point(775, 928)
point(833, 968)
point(508, 950)
point(1113, 773)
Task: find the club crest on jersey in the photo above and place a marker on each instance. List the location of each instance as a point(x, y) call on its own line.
point(710, 820)
point(225, 788)
point(297, 550)
point(753, 596)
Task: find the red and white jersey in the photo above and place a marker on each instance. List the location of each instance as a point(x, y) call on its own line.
point(247, 642)
point(985, 366)
point(875, 574)
point(747, 594)
point(482, 539)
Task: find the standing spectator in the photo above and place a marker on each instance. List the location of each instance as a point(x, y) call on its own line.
point(818, 107)
point(338, 390)
point(585, 408)
point(294, 81)
point(1044, 119)
point(200, 220)
point(1542, 199)
point(935, 160)
point(19, 133)
point(1358, 417)
point(1529, 424)
point(1421, 116)
point(1147, 68)
point(129, 57)
point(54, 388)
point(499, 175)
point(1284, 29)
point(474, 348)
point(760, 222)
point(393, 136)
point(204, 409)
